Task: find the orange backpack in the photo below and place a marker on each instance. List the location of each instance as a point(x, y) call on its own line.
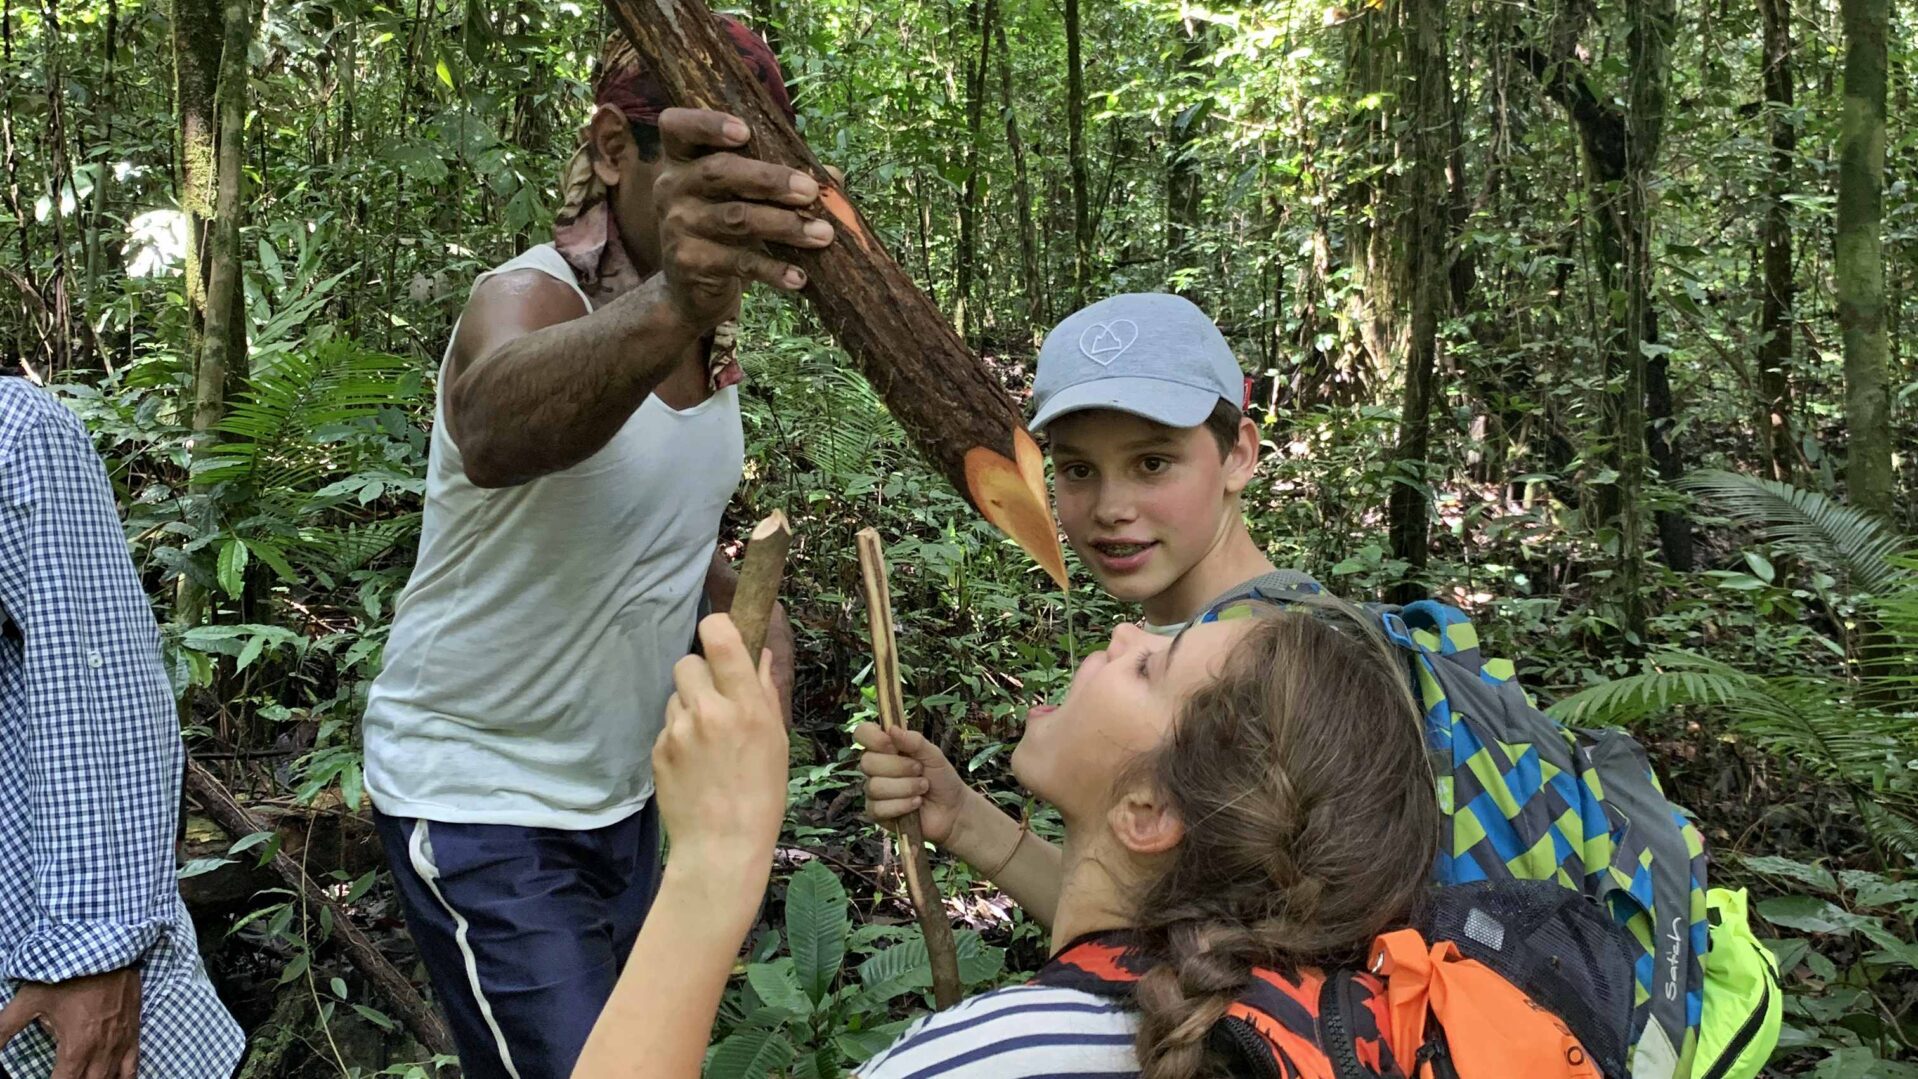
point(1514, 978)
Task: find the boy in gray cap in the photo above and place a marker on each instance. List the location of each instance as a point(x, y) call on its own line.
point(1143, 402)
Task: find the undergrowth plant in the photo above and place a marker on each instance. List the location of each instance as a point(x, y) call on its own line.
point(828, 997)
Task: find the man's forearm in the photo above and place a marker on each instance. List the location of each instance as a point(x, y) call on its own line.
point(552, 398)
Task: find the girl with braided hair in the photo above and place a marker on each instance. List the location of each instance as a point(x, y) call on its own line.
point(1251, 793)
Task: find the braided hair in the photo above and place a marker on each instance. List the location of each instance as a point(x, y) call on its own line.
point(1310, 825)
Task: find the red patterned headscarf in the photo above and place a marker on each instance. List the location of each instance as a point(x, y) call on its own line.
point(627, 83)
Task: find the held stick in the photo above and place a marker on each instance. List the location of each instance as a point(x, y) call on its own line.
point(926, 900)
point(759, 575)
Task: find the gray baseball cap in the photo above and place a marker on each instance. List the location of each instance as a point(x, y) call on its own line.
point(1152, 354)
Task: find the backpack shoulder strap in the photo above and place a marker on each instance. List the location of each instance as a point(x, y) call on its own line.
point(1271, 1031)
point(1105, 964)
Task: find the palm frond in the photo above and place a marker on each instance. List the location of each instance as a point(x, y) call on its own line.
point(342, 550)
point(275, 434)
point(1855, 544)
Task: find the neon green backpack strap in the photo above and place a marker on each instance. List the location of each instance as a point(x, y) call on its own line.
point(1743, 1006)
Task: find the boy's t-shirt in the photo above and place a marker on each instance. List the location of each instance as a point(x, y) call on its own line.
point(1277, 584)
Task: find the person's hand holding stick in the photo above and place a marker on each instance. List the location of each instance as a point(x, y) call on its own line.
point(720, 769)
point(926, 900)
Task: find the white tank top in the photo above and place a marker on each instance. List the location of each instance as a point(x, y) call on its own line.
point(532, 651)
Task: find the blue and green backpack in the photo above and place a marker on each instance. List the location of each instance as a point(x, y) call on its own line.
point(1526, 798)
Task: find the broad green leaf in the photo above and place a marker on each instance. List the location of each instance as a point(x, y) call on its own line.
point(816, 926)
point(1817, 876)
point(378, 1019)
point(232, 567)
point(776, 987)
point(863, 1045)
point(749, 1054)
point(200, 866)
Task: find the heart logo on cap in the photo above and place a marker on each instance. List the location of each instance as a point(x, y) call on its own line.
point(1107, 341)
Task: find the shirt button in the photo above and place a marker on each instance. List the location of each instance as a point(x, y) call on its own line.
point(93, 659)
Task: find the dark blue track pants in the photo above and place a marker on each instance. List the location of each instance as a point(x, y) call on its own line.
point(523, 930)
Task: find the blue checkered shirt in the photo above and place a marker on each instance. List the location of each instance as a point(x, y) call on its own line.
point(90, 757)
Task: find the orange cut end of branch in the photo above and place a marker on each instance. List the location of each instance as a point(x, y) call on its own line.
point(1013, 497)
point(843, 213)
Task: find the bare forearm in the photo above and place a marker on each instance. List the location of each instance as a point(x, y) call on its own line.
point(552, 398)
point(661, 1012)
point(985, 834)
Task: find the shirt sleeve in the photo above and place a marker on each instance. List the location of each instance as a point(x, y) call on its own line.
point(101, 738)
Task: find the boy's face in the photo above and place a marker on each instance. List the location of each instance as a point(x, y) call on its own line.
point(1143, 503)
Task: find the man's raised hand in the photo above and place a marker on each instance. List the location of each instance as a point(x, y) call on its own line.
point(718, 209)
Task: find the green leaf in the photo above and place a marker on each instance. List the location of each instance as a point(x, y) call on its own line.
point(777, 989)
point(200, 866)
point(905, 967)
point(445, 74)
point(274, 557)
point(232, 567)
point(338, 985)
point(1817, 876)
point(749, 1054)
point(378, 1019)
point(250, 653)
point(863, 1045)
point(816, 926)
point(247, 843)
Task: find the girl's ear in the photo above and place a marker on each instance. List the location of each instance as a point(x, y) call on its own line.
point(611, 140)
point(1243, 459)
point(1145, 823)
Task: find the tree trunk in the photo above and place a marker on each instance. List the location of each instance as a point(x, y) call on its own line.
point(196, 78)
point(1860, 262)
point(1654, 23)
point(1182, 178)
point(982, 16)
point(1620, 147)
point(1420, 245)
point(954, 408)
point(1775, 321)
point(1076, 150)
point(224, 353)
point(1036, 313)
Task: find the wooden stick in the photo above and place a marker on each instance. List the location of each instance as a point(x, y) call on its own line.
point(927, 901)
point(759, 576)
point(952, 405)
point(419, 1018)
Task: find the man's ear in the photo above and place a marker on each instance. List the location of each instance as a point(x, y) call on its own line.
point(1144, 822)
point(611, 140)
point(1242, 460)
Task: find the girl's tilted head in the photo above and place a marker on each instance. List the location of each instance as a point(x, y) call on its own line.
point(1261, 788)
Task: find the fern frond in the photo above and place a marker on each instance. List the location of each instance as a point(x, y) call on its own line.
point(1855, 544)
point(1679, 678)
point(1894, 830)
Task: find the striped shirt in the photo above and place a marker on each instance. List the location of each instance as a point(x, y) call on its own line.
point(1024, 1032)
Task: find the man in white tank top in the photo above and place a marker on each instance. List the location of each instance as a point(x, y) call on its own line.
point(587, 442)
